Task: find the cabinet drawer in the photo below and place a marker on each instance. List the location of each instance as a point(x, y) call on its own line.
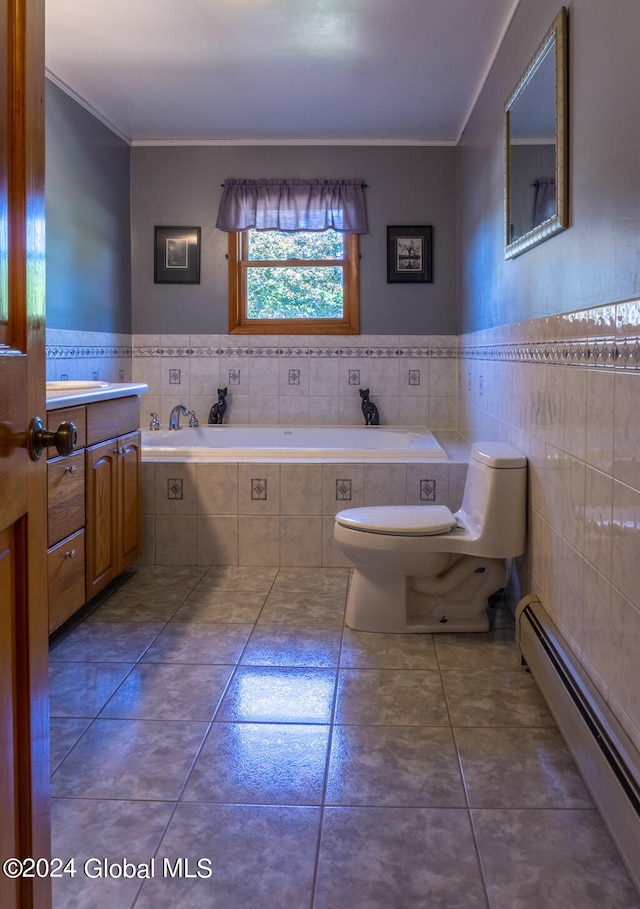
point(77, 415)
point(65, 566)
point(66, 496)
point(108, 419)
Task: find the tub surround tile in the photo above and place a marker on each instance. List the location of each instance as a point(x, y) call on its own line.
point(175, 540)
point(217, 539)
point(385, 484)
point(259, 540)
point(300, 540)
point(217, 489)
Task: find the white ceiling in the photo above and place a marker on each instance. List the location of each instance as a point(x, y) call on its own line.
point(276, 70)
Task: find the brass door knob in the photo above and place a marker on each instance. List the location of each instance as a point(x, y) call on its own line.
point(38, 438)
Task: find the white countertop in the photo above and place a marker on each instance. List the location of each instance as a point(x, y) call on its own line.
point(70, 394)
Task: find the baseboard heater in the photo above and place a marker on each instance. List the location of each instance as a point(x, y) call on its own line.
point(605, 756)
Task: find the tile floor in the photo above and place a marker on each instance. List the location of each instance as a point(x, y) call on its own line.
point(226, 715)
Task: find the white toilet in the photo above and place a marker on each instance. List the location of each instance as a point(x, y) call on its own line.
point(420, 568)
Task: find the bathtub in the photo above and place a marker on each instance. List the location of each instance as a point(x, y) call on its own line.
point(287, 443)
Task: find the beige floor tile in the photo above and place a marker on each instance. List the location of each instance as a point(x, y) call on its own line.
point(418, 858)
point(182, 642)
point(494, 698)
point(261, 764)
point(395, 766)
point(261, 856)
point(129, 759)
point(390, 697)
point(284, 645)
point(169, 691)
point(519, 768)
point(556, 859)
point(268, 694)
point(362, 650)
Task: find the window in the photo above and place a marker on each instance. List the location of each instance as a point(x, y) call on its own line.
point(302, 282)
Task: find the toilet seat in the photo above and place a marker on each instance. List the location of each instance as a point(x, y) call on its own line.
point(399, 520)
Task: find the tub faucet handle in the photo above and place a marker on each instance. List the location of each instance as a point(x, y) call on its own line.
point(154, 424)
point(193, 420)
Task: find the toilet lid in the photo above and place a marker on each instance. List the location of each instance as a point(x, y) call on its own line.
point(402, 520)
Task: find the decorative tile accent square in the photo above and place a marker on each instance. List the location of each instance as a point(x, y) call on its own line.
point(343, 490)
point(427, 490)
point(234, 377)
point(174, 377)
point(174, 489)
point(414, 377)
point(354, 377)
point(294, 377)
point(259, 490)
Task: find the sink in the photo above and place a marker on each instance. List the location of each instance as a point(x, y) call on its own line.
point(76, 385)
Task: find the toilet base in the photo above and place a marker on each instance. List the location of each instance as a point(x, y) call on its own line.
point(399, 604)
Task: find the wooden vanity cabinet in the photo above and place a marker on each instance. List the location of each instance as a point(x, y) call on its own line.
point(94, 503)
point(66, 522)
point(113, 519)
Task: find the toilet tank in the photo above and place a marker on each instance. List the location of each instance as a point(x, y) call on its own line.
point(494, 502)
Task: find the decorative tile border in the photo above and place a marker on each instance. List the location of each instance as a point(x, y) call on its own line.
point(67, 352)
point(622, 353)
point(264, 353)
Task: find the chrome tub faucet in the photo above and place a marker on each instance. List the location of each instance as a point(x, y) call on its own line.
point(174, 419)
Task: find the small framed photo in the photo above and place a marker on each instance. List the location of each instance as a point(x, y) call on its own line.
point(177, 255)
point(409, 255)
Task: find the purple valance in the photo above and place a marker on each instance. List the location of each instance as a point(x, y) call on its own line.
point(293, 205)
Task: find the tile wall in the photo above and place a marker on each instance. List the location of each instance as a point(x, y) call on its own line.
point(88, 355)
point(275, 514)
point(301, 380)
point(565, 390)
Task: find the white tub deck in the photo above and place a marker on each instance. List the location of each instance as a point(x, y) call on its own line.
point(292, 443)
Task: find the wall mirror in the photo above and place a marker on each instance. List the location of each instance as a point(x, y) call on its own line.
point(536, 131)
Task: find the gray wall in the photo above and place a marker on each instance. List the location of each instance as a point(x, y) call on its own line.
point(176, 186)
point(597, 260)
point(88, 220)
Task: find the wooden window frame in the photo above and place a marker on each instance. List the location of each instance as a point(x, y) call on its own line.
point(349, 324)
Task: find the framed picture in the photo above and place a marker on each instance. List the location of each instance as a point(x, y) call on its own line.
point(409, 255)
point(177, 255)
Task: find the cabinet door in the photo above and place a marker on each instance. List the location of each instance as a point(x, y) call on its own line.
point(130, 529)
point(101, 515)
